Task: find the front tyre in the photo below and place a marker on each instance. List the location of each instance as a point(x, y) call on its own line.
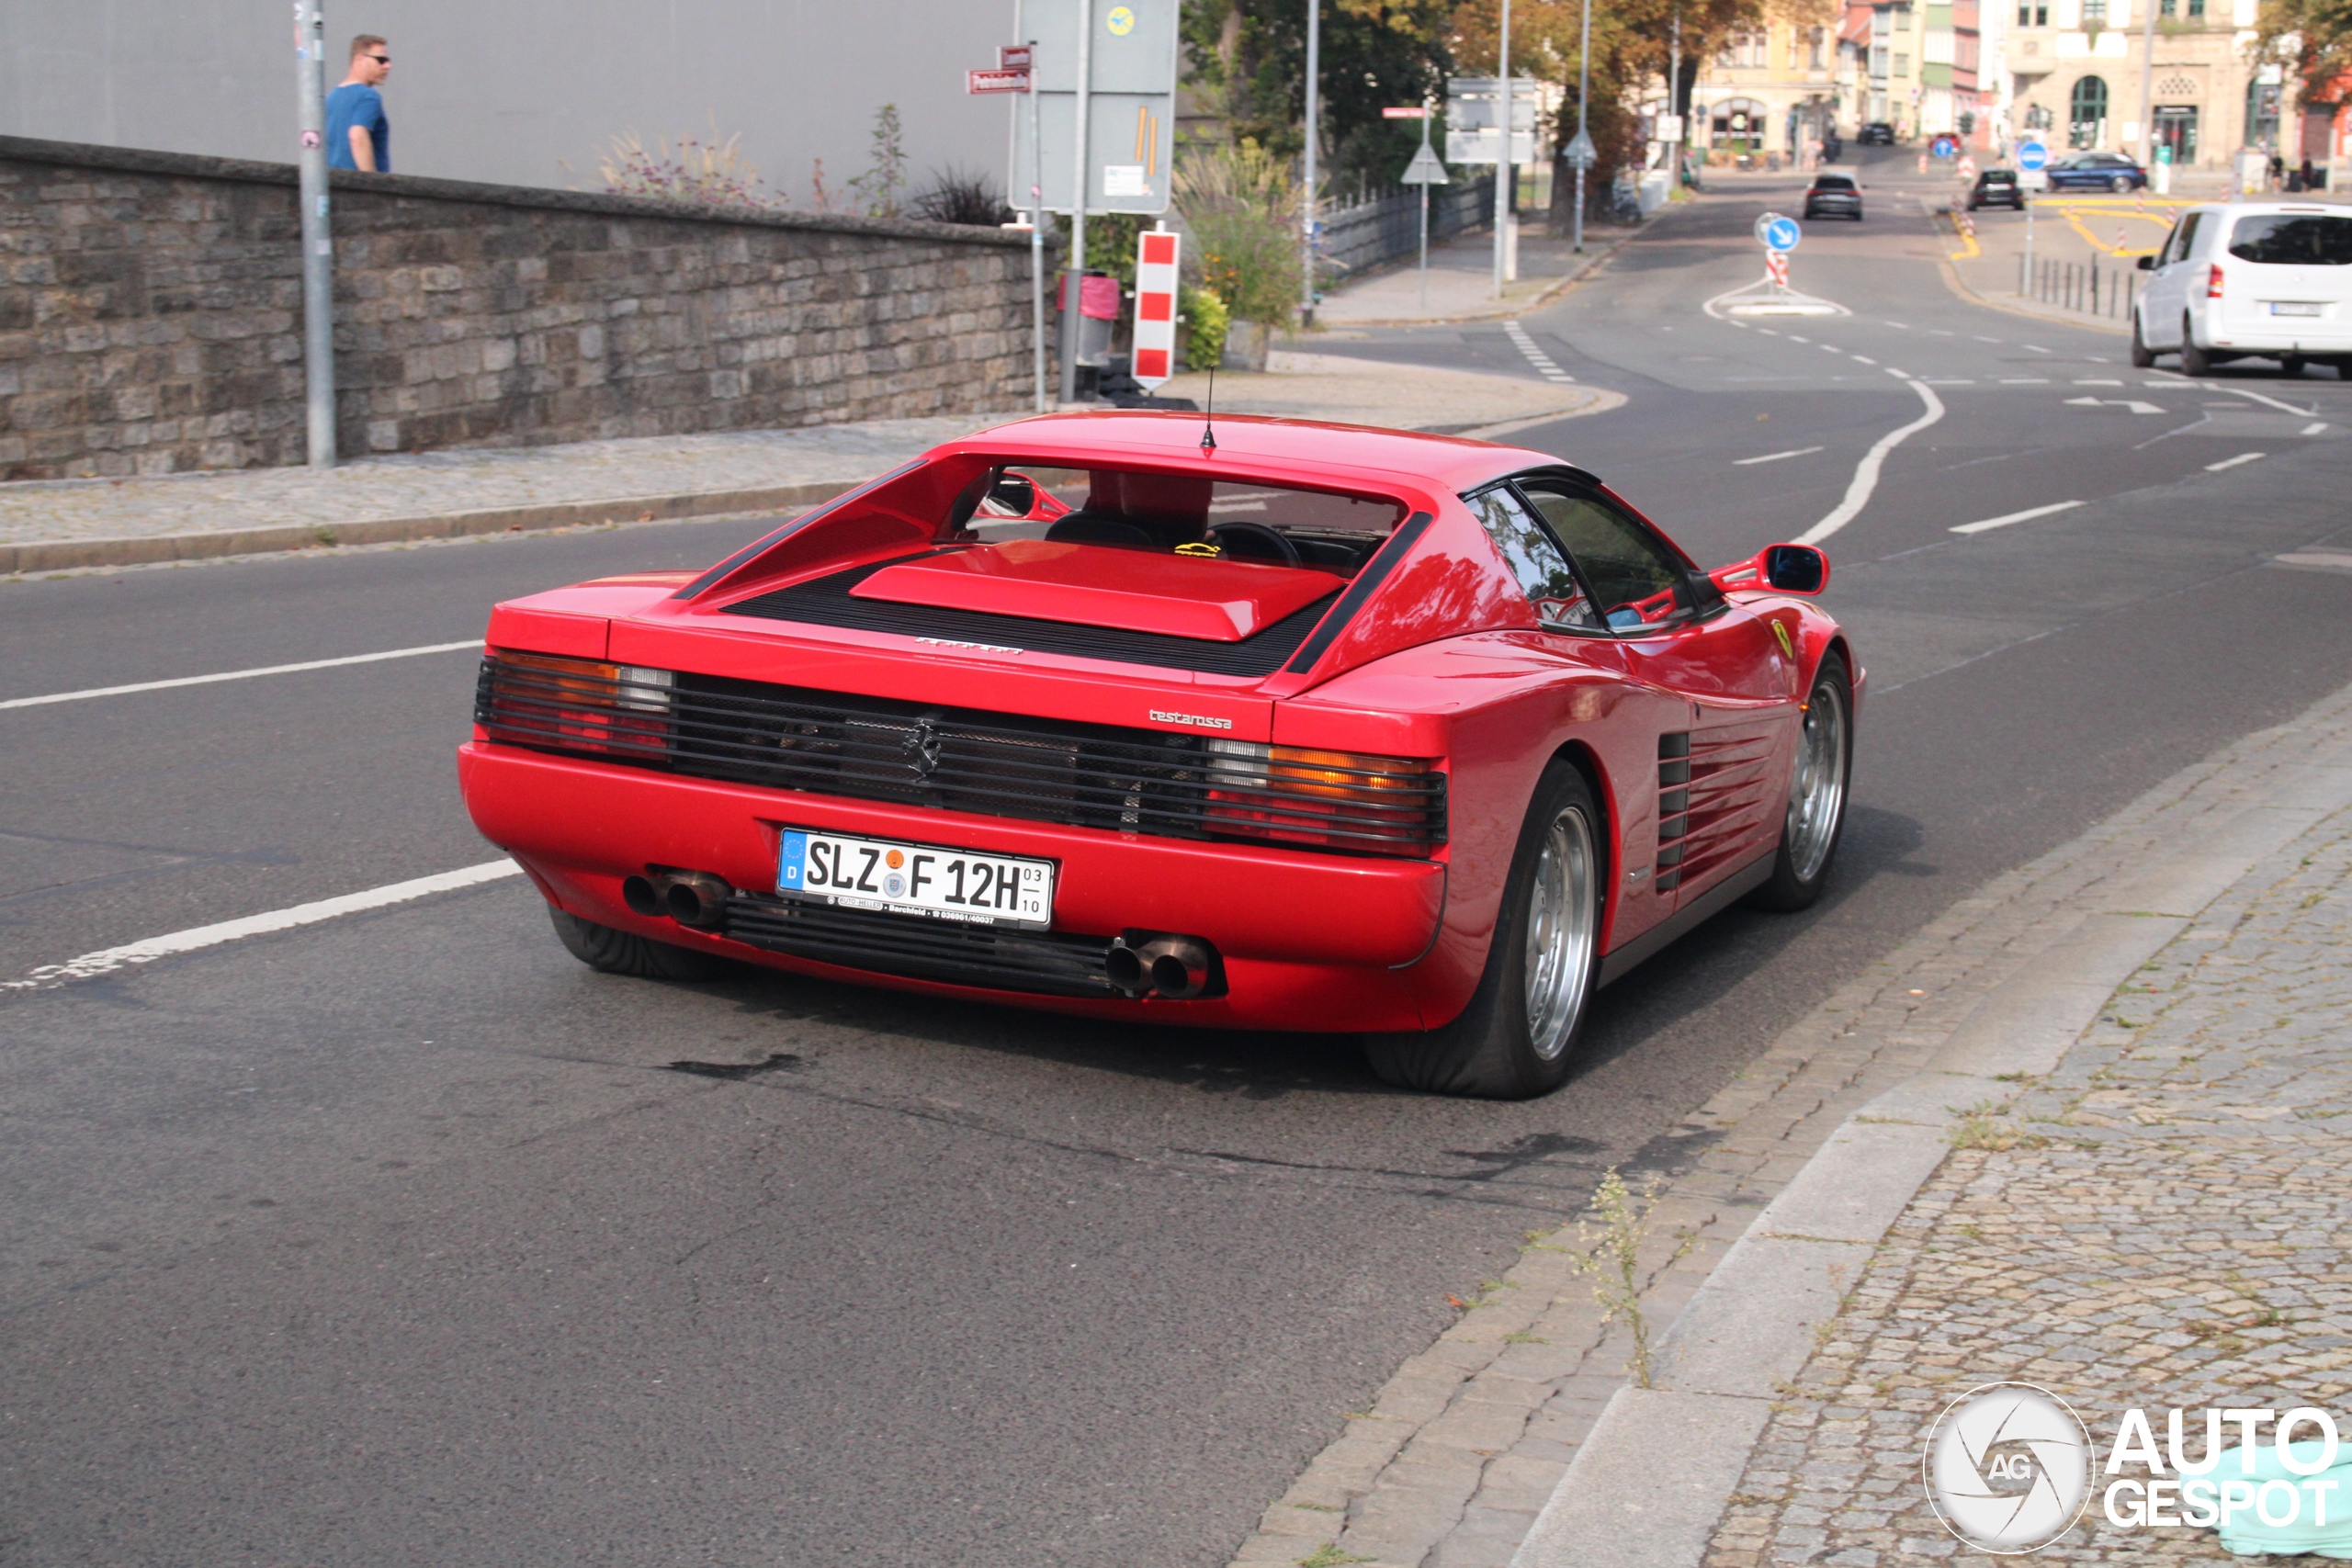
point(623, 953)
point(2120, 183)
point(1516, 1039)
point(1817, 813)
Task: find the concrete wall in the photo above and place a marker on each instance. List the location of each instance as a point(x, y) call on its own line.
point(151, 316)
point(527, 92)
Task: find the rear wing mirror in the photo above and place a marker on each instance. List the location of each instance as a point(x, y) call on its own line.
point(1783, 569)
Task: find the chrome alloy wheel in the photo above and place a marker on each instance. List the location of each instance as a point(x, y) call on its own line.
point(1817, 786)
point(1563, 927)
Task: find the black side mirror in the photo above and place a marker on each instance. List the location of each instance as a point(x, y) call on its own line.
point(2147, 264)
point(1015, 493)
point(1796, 568)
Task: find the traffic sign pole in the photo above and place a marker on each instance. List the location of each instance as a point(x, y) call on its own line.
point(1074, 265)
point(1423, 171)
point(2033, 158)
point(1037, 236)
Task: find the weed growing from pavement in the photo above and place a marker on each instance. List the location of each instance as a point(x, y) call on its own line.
point(1328, 1555)
point(1615, 1264)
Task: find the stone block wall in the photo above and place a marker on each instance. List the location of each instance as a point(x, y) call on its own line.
point(151, 315)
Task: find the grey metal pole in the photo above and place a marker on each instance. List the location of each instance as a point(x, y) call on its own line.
point(318, 254)
point(2147, 83)
point(1674, 100)
point(1426, 108)
point(1038, 232)
point(1502, 154)
point(1584, 86)
point(1074, 266)
point(1314, 107)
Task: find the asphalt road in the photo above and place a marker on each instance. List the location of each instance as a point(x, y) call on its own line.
point(404, 1236)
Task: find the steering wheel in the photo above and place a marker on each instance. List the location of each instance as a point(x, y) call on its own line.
point(1284, 549)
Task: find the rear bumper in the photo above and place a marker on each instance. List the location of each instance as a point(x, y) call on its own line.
point(1308, 941)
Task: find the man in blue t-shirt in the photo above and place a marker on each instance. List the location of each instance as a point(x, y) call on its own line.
point(358, 134)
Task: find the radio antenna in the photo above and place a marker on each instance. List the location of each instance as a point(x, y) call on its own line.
point(1208, 420)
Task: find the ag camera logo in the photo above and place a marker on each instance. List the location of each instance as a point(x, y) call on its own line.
point(2007, 1468)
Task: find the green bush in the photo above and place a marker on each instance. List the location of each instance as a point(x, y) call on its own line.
point(1244, 214)
point(1206, 321)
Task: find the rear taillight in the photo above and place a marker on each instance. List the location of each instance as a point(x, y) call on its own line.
point(2213, 283)
point(1335, 799)
point(577, 705)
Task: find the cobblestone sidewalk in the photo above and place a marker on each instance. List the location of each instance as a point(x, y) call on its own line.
point(2164, 1221)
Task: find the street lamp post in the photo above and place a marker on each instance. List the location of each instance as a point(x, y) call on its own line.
point(1073, 290)
point(1502, 160)
point(1584, 84)
point(318, 257)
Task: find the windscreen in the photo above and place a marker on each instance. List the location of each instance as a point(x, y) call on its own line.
point(2293, 239)
point(1188, 514)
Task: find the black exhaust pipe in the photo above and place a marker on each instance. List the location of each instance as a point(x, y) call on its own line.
point(1126, 970)
point(641, 897)
point(1179, 966)
point(697, 899)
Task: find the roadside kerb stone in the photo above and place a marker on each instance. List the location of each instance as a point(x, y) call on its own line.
point(1755, 1326)
point(1867, 1050)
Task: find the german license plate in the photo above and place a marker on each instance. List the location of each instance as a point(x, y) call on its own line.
point(2293, 308)
point(915, 879)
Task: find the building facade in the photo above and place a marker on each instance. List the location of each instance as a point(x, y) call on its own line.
point(1769, 90)
point(2076, 65)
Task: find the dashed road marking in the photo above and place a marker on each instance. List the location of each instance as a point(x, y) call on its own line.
point(107, 960)
point(2035, 346)
point(1543, 362)
point(2095, 381)
point(2026, 515)
point(1865, 359)
point(2313, 428)
point(1775, 456)
point(2233, 462)
point(473, 642)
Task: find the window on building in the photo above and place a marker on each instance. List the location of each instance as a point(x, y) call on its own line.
point(2032, 16)
point(2086, 112)
point(1816, 48)
point(2094, 13)
point(1902, 63)
point(2196, 10)
point(1878, 60)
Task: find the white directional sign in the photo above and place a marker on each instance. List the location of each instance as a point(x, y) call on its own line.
point(1486, 146)
point(1580, 152)
point(1425, 170)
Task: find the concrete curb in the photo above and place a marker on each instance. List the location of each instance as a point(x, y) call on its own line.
point(67, 555)
point(1593, 260)
point(2014, 306)
point(1650, 1483)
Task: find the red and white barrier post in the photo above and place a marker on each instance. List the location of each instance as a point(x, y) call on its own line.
point(1155, 334)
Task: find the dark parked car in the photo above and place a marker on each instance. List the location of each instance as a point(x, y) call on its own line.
point(1877, 133)
point(2098, 171)
point(1833, 195)
point(1997, 187)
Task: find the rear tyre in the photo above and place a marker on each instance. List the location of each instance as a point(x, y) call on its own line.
point(2194, 361)
point(1517, 1038)
point(2142, 355)
point(1817, 813)
point(623, 953)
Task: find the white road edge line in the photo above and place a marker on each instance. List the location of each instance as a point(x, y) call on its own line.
point(107, 960)
point(474, 642)
point(1858, 493)
point(2234, 389)
point(2233, 462)
point(2016, 517)
point(1774, 457)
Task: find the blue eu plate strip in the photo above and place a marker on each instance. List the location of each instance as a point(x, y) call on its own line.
point(790, 862)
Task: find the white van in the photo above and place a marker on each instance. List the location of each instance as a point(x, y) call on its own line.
point(2250, 277)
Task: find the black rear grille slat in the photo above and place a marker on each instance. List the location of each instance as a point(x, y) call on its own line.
point(986, 763)
point(1052, 963)
point(827, 602)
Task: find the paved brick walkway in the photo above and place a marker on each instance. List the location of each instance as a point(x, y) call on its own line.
point(2162, 1222)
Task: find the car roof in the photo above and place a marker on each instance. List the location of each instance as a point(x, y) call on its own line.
point(2262, 209)
point(1307, 450)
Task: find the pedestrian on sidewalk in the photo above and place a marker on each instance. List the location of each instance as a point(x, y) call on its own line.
point(359, 135)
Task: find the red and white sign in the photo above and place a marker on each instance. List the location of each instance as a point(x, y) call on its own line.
point(1776, 268)
point(1014, 57)
point(996, 80)
point(1415, 112)
point(1156, 256)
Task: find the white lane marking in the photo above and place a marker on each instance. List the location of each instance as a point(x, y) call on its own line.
point(2334, 559)
point(1793, 338)
point(107, 960)
point(1767, 332)
point(1858, 493)
point(1904, 326)
point(2097, 358)
point(2237, 391)
point(2133, 404)
point(1535, 354)
point(1774, 457)
point(239, 674)
point(2095, 381)
point(1939, 331)
point(2035, 346)
point(2313, 428)
point(1830, 348)
point(2025, 380)
point(1903, 375)
point(1865, 359)
point(1982, 339)
point(1948, 380)
point(2004, 520)
point(2233, 462)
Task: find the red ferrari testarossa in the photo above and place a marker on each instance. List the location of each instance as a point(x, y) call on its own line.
point(1303, 727)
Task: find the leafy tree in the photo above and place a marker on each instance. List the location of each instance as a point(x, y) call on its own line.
point(2314, 37)
point(1248, 58)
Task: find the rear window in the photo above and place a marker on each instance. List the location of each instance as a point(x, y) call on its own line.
point(1832, 182)
point(1996, 177)
point(1233, 520)
point(2293, 239)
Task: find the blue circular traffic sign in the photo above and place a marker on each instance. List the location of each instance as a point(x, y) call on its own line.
point(2033, 156)
point(1782, 235)
point(1944, 146)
